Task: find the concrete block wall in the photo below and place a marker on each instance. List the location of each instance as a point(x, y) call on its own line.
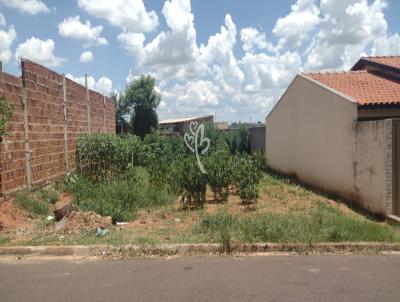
point(52, 127)
point(257, 138)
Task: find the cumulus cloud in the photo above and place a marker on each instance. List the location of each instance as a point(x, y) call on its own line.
point(206, 78)
point(295, 28)
point(349, 26)
point(86, 56)
point(174, 52)
point(40, 51)
point(102, 85)
point(32, 7)
point(73, 28)
point(130, 15)
point(386, 45)
point(7, 37)
point(252, 39)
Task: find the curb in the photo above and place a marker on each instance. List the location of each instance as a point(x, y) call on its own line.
point(202, 249)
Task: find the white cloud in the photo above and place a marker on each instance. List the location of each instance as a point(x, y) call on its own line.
point(295, 28)
point(103, 85)
point(202, 79)
point(32, 7)
point(269, 72)
point(349, 26)
point(39, 51)
point(218, 55)
point(86, 56)
point(172, 53)
point(386, 45)
point(253, 39)
point(72, 27)
point(2, 20)
point(7, 37)
point(130, 15)
point(191, 98)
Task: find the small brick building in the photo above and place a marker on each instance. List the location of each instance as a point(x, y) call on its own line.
point(340, 132)
point(50, 112)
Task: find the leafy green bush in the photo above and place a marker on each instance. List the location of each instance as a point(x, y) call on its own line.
point(219, 166)
point(101, 155)
point(247, 177)
point(160, 152)
point(187, 179)
point(31, 204)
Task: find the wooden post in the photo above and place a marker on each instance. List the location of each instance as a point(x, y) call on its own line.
point(87, 104)
point(65, 123)
point(28, 169)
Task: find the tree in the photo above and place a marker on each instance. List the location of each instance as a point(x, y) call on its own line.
point(121, 110)
point(143, 101)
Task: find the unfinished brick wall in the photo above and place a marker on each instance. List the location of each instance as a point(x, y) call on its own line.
point(12, 161)
point(54, 124)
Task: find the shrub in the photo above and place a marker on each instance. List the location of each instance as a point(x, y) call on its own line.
point(31, 204)
point(101, 155)
point(247, 177)
point(117, 197)
point(187, 179)
point(219, 166)
point(160, 152)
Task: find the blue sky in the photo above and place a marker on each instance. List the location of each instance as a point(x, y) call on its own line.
point(229, 58)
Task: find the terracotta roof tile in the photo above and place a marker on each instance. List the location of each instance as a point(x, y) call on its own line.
point(393, 61)
point(366, 88)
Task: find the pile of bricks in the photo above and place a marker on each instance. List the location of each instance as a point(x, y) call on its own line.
point(50, 112)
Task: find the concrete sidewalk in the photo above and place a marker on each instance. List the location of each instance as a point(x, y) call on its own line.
point(252, 278)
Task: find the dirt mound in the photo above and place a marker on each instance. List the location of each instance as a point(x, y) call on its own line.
point(11, 217)
point(76, 222)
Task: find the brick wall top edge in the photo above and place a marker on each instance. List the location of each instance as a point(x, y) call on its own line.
point(10, 78)
point(108, 99)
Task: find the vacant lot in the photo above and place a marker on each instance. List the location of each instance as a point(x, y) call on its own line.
point(285, 212)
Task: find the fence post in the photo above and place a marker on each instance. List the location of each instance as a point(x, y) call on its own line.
point(26, 130)
point(87, 103)
point(65, 123)
point(104, 114)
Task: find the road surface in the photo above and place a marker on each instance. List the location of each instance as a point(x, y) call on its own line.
point(253, 278)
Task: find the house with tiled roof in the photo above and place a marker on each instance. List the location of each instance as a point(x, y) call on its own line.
point(340, 132)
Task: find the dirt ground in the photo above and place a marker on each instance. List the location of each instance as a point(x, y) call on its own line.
point(165, 223)
point(14, 221)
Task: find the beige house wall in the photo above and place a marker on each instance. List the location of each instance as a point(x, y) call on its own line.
point(313, 134)
point(310, 135)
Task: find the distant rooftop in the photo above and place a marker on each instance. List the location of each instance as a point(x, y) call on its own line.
point(183, 119)
point(176, 120)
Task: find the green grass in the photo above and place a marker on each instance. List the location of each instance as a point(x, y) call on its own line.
point(32, 204)
point(324, 223)
point(48, 195)
point(119, 197)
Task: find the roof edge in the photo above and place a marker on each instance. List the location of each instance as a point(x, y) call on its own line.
point(334, 91)
point(366, 61)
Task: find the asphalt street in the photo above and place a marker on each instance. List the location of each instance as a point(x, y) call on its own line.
point(252, 278)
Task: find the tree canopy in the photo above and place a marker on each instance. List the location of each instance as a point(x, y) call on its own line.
point(142, 100)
